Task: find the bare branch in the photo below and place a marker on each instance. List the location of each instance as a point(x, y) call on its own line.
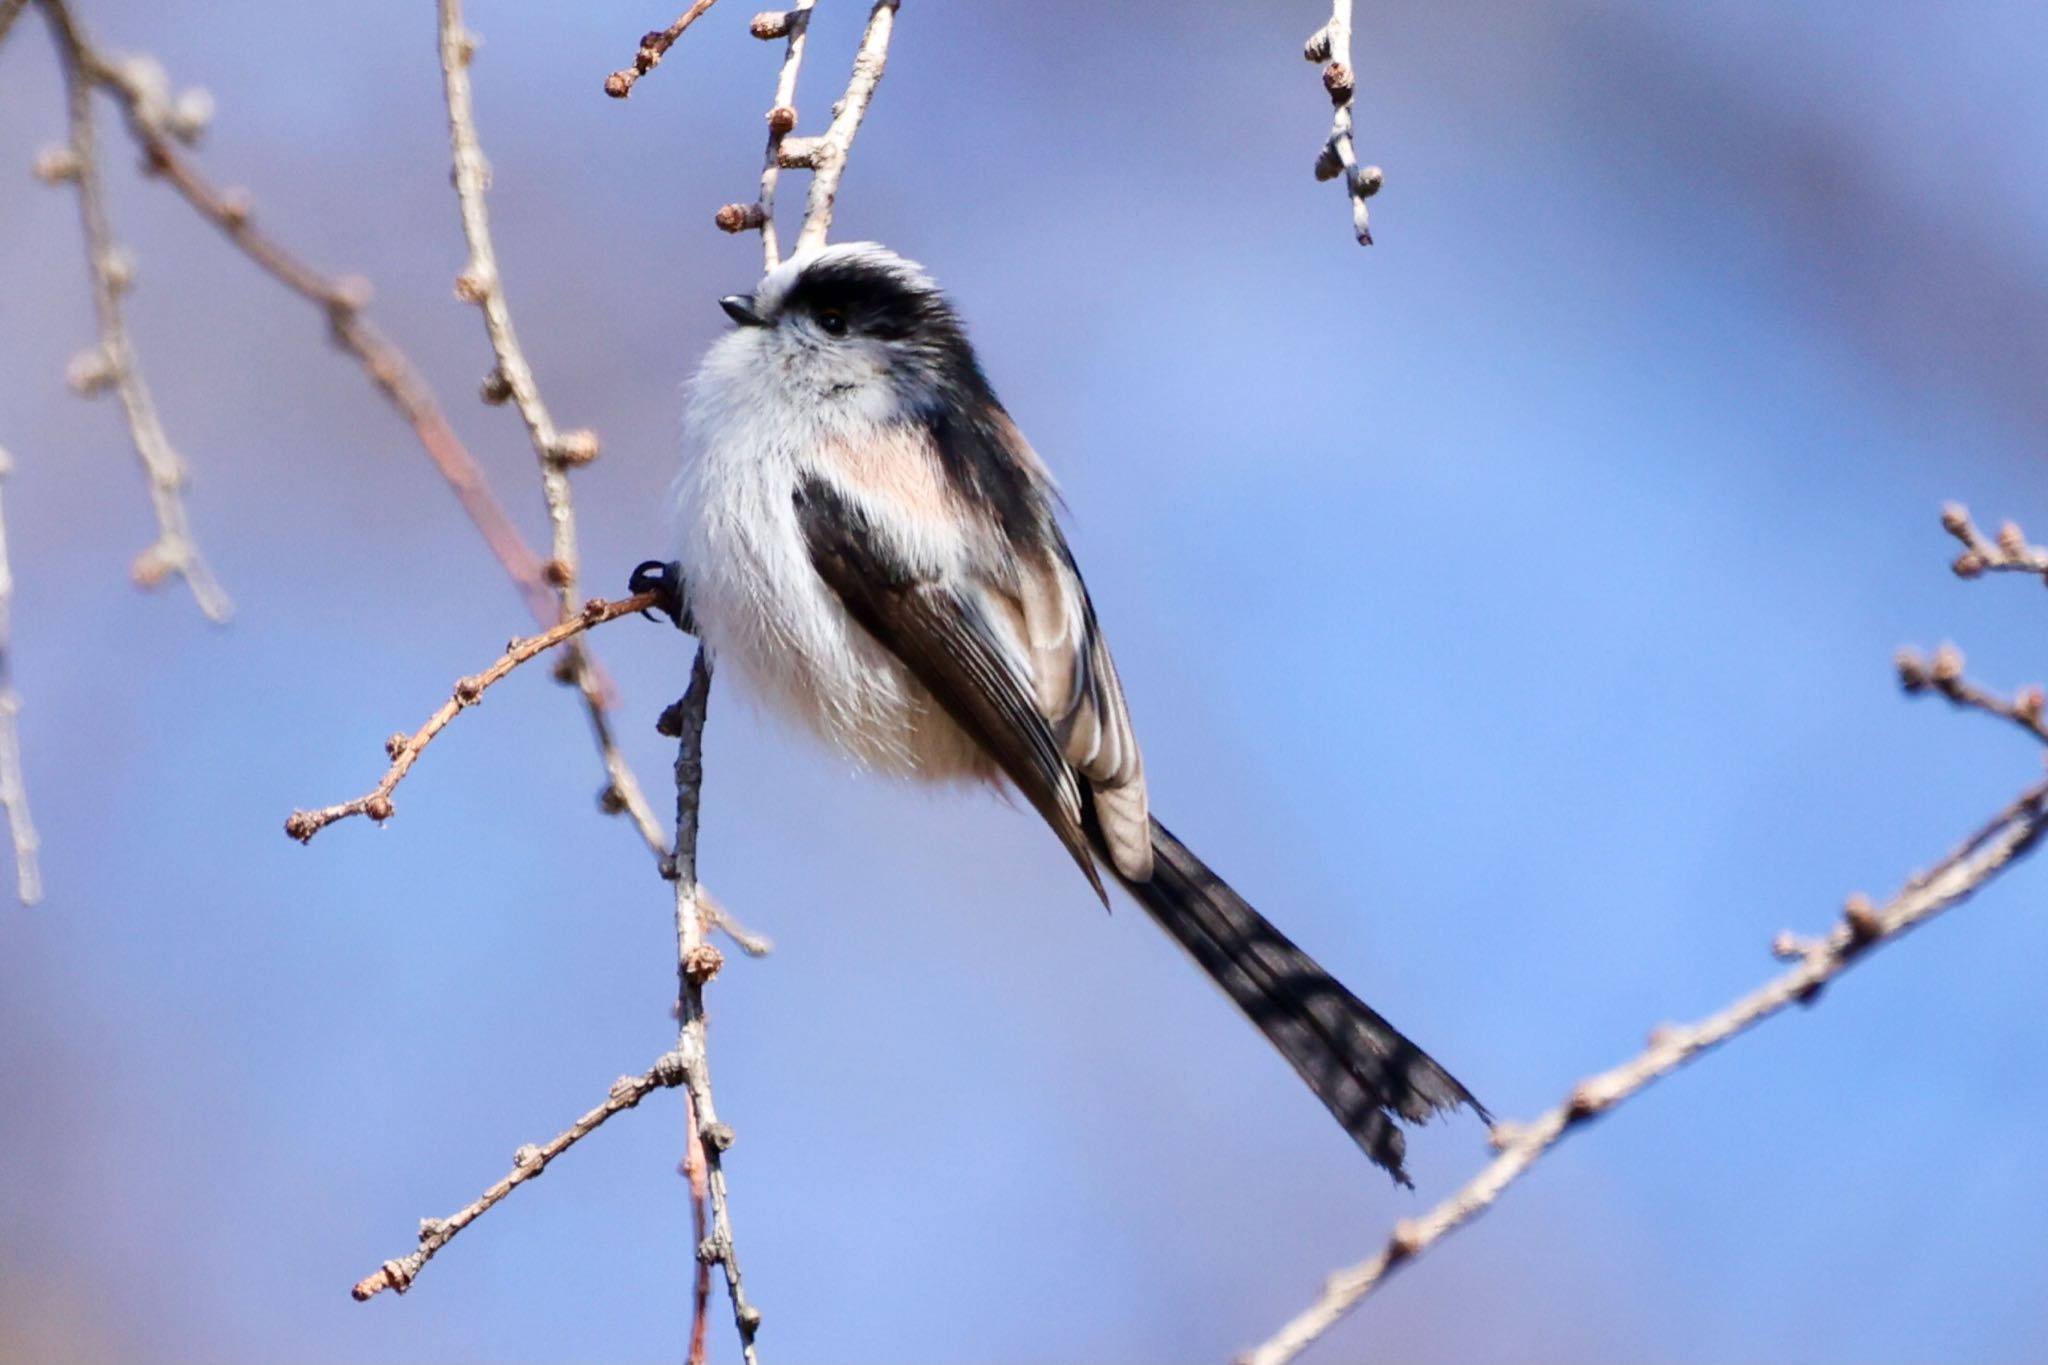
point(1862, 928)
point(1330, 46)
point(481, 284)
point(528, 1162)
point(405, 750)
point(793, 24)
point(826, 156)
point(2009, 553)
point(653, 48)
point(113, 364)
point(13, 791)
point(1944, 674)
point(10, 10)
point(696, 963)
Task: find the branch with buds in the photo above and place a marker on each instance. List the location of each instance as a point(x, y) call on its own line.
point(1330, 47)
point(1863, 927)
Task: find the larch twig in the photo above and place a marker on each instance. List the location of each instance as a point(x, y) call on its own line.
point(653, 48)
point(1330, 46)
point(21, 826)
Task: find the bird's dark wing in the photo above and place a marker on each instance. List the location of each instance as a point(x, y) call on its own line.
point(945, 637)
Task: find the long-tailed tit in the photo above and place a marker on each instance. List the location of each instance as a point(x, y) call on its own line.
point(870, 542)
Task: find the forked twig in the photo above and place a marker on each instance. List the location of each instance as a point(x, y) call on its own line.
point(405, 750)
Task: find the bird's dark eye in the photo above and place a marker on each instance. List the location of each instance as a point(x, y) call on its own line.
point(833, 320)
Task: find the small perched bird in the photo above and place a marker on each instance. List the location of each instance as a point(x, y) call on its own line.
point(870, 542)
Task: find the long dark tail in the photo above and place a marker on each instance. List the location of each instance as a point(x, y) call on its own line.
point(1355, 1061)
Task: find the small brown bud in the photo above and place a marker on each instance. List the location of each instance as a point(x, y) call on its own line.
point(738, 217)
point(595, 608)
point(750, 1317)
point(1864, 921)
point(1948, 666)
point(302, 826)
point(720, 1137)
point(1317, 48)
point(189, 115)
point(2029, 703)
point(781, 119)
point(378, 808)
point(1787, 945)
point(555, 573)
point(56, 165)
point(798, 153)
point(1584, 1101)
point(90, 373)
point(468, 690)
point(465, 44)
point(620, 83)
point(2012, 542)
point(119, 268)
point(1406, 1239)
point(1370, 179)
point(473, 285)
point(770, 25)
point(1329, 165)
point(235, 207)
point(1955, 518)
point(395, 747)
point(496, 388)
point(527, 1155)
point(564, 671)
point(1912, 669)
point(669, 723)
point(353, 293)
point(702, 963)
point(1968, 564)
point(578, 447)
point(610, 800)
point(1339, 82)
point(152, 568)
point(430, 1228)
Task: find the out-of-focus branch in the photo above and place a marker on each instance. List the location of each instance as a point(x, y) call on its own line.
point(528, 1162)
point(405, 750)
point(653, 48)
point(13, 791)
point(826, 156)
point(113, 365)
point(10, 10)
point(1330, 46)
point(1944, 674)
point(697, 961)
point(2009, 553)
point(1862, 928)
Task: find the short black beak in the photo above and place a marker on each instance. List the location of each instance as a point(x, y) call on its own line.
point(740, 308)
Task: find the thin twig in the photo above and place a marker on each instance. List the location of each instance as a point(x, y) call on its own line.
point(826, 156)
point(1944, 674)
point(13, 791)
point(2009, 553)
point(653, 48)
point(793, 24)
point(113, 365)
point(1862, 928)
point(405, 750)
point(700, 1288)
point(481, 284)
point(697, 961)
point(1330, 45)
point(528, 1162)
point(10, 10)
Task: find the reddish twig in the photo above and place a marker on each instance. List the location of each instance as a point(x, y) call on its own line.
point(653, 48)
point(405, 750)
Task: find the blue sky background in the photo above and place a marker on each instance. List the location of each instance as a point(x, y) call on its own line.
point(1506, 609)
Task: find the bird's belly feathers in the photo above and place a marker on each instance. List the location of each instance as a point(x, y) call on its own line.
point(762, 608)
